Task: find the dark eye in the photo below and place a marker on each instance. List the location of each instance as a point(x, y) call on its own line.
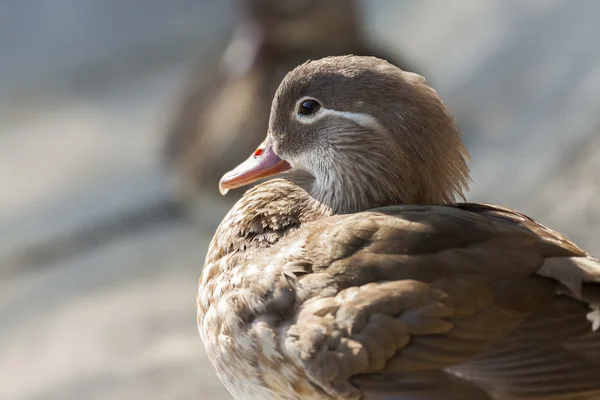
point(308, 107)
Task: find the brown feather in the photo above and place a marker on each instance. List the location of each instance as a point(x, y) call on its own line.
point(306, 295)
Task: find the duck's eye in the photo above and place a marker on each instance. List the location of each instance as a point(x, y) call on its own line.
point(308, 107)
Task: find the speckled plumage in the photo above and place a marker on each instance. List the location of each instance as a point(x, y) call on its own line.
point(298, 300)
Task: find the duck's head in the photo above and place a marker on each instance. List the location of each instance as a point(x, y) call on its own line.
point(365, 132)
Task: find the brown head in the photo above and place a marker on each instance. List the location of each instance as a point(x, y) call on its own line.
point(366, 133)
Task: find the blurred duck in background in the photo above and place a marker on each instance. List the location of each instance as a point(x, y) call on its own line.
point(225, 110)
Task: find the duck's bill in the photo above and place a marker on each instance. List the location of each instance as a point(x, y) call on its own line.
point(263, 163)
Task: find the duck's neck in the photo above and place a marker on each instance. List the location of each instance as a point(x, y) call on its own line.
point(359, 184)
point(351, 193)
point(265, 214)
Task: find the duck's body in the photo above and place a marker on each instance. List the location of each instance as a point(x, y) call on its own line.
point(225, 111)
point(306, 295)
point(467, 287)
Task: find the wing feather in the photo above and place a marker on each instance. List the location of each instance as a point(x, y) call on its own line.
point(443, 302)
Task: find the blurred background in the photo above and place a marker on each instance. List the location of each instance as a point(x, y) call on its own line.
point(104, 220)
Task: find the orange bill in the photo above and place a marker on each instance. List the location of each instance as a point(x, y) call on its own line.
point(262, 164)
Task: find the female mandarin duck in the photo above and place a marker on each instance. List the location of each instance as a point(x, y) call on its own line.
point(356, 275)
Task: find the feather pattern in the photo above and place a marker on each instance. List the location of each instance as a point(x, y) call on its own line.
point(356, 276)
point(420, 302)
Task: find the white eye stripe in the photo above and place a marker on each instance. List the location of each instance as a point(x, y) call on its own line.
point(362, 119)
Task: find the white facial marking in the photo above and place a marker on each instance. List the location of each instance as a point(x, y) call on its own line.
point(362, 119)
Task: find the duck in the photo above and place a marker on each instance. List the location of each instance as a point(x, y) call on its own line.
point(216, 122)
point(355, 268)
